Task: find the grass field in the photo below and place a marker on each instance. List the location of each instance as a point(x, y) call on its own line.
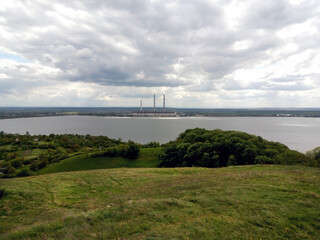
point(244, 202)
point(148, 158)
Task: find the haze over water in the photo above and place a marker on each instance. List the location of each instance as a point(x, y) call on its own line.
point(301, 134)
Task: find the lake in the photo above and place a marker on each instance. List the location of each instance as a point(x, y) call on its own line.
point(301, 134)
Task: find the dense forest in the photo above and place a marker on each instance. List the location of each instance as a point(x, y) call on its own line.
point(217, 148)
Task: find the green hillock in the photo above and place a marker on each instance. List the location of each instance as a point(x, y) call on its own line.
point(217, 148)
point(148, 157)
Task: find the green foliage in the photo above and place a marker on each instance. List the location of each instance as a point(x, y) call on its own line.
point(232, 160)
point(16, 163)
point(23, 173)
point(34, 166)
point(314, 155)
point(217, 148)
point(263, 160)
point(291, 157)
point(11, 171)
point(132, 150)
point(43, 163)
point(4, 167)
point(151, 144)
point(35, 152)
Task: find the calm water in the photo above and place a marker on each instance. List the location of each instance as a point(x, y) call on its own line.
point(301, 134)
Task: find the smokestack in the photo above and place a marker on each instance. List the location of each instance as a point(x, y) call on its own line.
point(154, 102)
point(140, 105)
point(164, 102)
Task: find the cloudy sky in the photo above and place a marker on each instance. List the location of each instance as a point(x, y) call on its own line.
point(201, 53)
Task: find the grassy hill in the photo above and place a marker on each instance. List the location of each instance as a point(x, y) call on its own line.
point(148, 158)
point(239, 202)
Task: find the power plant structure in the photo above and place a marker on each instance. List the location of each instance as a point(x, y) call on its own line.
point(156, 112)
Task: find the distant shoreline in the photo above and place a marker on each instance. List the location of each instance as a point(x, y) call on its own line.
point(177, 117)
point(27, 112)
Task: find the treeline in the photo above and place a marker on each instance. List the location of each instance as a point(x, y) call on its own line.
point(130, 150)
point(20, 155)
point(217, 148)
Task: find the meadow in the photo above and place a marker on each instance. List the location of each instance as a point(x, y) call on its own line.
point(237, 202)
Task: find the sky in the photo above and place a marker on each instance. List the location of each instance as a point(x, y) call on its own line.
point(201, 53)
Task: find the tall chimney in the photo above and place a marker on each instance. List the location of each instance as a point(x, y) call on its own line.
point(164, 102)
point(154, 102)
point(140, 105)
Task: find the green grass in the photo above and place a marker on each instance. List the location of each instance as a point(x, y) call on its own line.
point(6, 147)
point(148, 158)
point(243, 202)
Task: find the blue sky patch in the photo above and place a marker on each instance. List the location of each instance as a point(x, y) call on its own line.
point(16, 58)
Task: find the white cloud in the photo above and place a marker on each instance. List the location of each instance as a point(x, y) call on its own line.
point(200, 53)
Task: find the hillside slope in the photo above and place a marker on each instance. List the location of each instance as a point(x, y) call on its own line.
point(149, 157)
point(243, 202)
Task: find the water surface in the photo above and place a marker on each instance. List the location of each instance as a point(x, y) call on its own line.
point(301, 134)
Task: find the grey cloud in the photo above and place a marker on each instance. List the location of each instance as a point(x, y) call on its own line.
point(287, 83)
point(275, 14)
point(111, 42)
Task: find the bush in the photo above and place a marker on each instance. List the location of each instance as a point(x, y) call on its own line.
point(27, 161)
point(34, 166)
point(151, 145)
point(16, 163)
point(292, 157)
point(314, 154)
point(132, 151)
point(263, 160)
point(11, 170)
point(43, 163)
point(23, 173)
point(4, 167)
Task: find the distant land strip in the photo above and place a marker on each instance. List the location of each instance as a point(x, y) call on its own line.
point(24, 112)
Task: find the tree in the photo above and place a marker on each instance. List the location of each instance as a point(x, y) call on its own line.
point(132, 151)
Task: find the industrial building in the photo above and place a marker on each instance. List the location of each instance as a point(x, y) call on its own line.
point(156, 112)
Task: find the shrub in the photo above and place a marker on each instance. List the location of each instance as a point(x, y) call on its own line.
point(314, 154)
point(34, 166)
point(151, 145)
point(132, 151)
point(16, 163)
point(43, 163)
point(263, 160)
point(27, 161)
point(292, 157)
point(23, 173)
point(11, 170)
point(4, 167)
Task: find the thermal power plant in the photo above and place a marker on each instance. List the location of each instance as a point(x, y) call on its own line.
point(156, 112)
point(164, 102)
